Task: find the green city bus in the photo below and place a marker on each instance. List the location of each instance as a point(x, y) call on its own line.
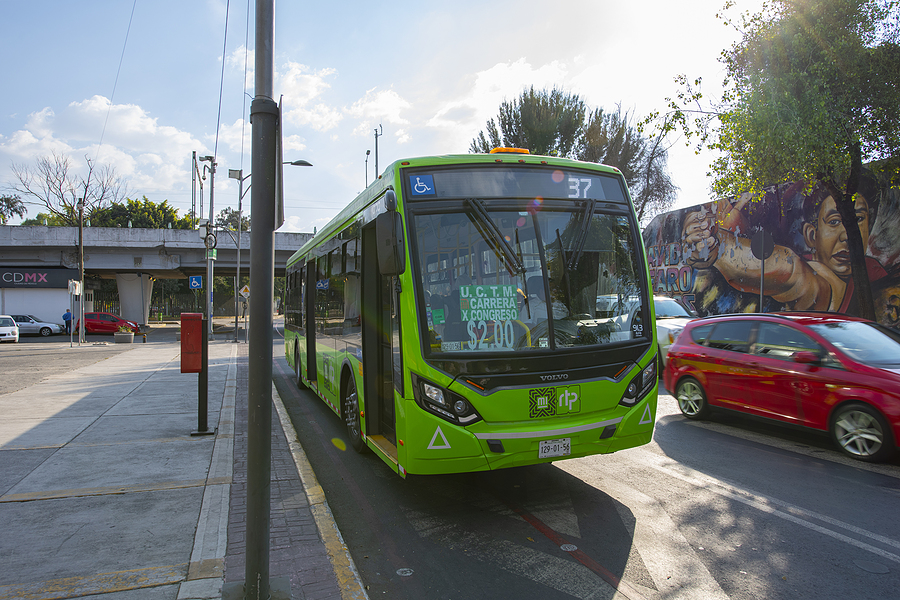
point(479, 311)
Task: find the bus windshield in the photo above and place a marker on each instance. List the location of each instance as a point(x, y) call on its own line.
point(495, 276)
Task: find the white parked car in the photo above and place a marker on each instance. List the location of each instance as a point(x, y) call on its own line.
point(671, 317)
point(9, 332)
point(30, 324)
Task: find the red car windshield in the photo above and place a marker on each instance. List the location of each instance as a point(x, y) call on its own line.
point(861, 341)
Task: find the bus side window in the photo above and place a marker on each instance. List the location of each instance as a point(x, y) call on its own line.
point(301, 295)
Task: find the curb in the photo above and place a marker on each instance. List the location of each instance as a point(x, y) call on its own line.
point(348, 579)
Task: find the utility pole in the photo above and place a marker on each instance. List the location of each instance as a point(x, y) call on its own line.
point(239, 175)
point(377, 135)
point(82, 324)
point(209, 253)
point(264, 122)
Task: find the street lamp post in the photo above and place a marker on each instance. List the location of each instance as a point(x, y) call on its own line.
point(209, 257)
point(83, 326)
point(241, 178)
point(367, 167)
point(377, 135)
point(239, 175)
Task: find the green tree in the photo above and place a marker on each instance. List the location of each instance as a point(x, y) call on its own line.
point(228, 219)
point(812, 92)
point(556, 123)
point(45, 219)
point(612, 138)
point(52, 183)
point(140, 213)
point(547, 122)
point(9, 206)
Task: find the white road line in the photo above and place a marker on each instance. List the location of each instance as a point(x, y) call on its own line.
point(765, 503)
point(670, 559)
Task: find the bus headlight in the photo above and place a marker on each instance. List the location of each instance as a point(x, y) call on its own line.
point(443, 403)
point(640, 385)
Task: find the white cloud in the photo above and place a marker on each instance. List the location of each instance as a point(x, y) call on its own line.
point(293, 142)
point(230, 135)
point(150, 156)
point(302, 86)
point(504, 81)
point(240, 59)
point(378, 107)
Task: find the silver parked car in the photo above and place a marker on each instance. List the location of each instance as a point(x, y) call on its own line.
point(31, 325)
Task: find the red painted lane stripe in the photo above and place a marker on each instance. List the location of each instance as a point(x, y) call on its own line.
point(604, 573)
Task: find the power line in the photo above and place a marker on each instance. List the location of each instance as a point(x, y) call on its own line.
point(116, 82)
point(221, 82)
point(244, 83)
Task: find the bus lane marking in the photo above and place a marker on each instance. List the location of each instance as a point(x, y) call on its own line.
point(670, 559)
point(555, 572)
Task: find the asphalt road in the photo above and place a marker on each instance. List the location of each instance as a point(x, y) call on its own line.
point(728, 508)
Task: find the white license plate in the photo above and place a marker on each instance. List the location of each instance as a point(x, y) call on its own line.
point(552, 448)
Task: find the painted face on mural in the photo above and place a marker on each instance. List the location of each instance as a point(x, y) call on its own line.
point(827, 237)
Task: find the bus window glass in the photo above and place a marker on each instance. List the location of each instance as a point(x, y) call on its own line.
point(527, 281)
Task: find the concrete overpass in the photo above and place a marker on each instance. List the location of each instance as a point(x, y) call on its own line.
point(134, 256)
point(160, 253)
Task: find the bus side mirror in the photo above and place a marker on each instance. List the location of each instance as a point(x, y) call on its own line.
point(389, 233)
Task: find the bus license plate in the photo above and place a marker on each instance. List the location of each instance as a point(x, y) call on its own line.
point(551, 448)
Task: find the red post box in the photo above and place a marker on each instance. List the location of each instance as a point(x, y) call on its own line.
point(191, 342)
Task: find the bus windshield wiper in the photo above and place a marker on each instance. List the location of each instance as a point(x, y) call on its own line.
point(582, 236)
point(494, 236)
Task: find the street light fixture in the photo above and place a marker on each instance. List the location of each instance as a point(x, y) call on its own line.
point(368, 152)
point(241, 178)
point(209, 254)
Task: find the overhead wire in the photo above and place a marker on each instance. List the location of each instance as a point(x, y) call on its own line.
point(221, 82)
point(116, 82)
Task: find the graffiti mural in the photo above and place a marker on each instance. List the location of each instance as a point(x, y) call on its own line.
point(703, 256)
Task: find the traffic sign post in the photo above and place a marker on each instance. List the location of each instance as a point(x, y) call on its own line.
point(762, 245)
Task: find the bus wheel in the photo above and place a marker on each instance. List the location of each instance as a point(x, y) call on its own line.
point(350, 410)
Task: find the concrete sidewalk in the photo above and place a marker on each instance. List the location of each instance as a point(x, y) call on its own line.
point(103, 490)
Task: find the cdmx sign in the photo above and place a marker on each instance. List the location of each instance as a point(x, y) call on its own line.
point(36, 278)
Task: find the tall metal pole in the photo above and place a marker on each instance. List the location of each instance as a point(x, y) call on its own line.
point(237, 275)
point(83, 325)
point(263, 119)
point(193, 188)
point(377, 135)
point(209, 260)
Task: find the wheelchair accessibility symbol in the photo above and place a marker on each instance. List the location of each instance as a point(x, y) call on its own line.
point(422, 185)
point(196, 282)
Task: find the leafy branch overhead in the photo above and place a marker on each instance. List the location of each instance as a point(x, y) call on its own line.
point(557, 123)
point(811, 93)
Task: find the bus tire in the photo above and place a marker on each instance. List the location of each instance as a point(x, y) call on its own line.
point(350, 410)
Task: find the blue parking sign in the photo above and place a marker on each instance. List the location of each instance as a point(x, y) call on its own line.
point(196, 282)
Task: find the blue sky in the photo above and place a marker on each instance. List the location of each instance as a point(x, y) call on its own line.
point(430, 73)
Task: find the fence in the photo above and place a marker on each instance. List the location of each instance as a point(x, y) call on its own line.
point(170, 305)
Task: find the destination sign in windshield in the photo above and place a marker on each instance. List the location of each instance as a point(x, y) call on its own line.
point(521, 182)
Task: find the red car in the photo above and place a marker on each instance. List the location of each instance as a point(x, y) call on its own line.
point(824, 371)
point(99, 322)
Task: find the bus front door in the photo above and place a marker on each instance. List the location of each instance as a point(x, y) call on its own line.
point(378, 302)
